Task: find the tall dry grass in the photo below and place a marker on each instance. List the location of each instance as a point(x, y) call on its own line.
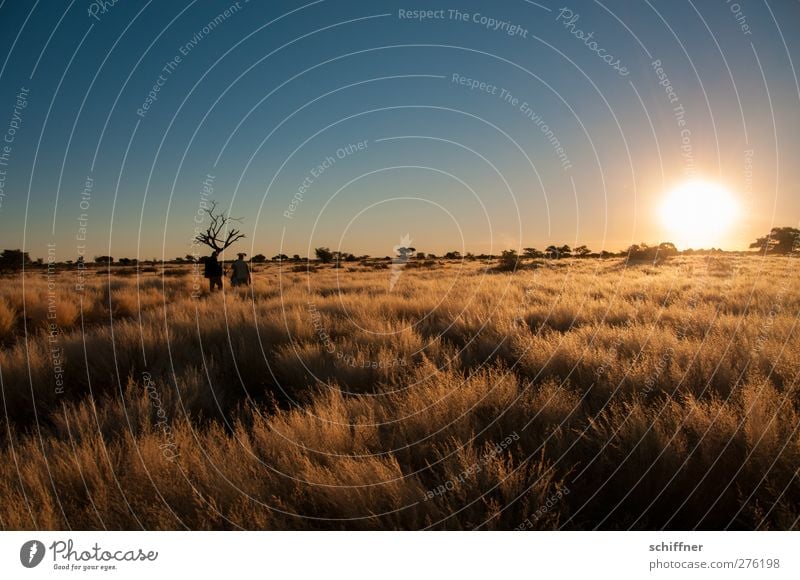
point(576, 394)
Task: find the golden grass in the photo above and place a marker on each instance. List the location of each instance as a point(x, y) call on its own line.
point(8, 319)
point(651, 397)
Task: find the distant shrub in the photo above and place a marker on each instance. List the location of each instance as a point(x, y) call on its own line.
point(124, 272)
point(422, 264)
point(305, 268)
point(174, 272)
point(654, 254)
point(509, 261)
point(324, 255)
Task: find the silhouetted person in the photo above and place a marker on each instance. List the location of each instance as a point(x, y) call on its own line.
point(213, 271)
point(241, 272)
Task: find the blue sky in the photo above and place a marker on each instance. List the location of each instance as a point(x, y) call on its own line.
point(265, 93)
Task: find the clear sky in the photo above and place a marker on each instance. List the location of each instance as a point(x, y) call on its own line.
point(482, 126)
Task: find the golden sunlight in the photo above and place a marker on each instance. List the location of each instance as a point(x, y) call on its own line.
point(698, 214)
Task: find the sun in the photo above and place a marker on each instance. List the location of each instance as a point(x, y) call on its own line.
point(698, 214)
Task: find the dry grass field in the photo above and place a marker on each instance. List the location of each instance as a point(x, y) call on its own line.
point(573, 394)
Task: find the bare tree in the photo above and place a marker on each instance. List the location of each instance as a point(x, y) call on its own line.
point(220, 225)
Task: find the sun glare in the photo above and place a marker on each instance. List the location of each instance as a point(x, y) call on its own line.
point(698, 214)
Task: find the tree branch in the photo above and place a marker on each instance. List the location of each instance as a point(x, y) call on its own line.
point(219, 222)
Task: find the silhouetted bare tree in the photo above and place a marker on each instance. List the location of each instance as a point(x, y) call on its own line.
point(220, 225)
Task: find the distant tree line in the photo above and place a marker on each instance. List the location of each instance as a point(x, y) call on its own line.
point(779, 241)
